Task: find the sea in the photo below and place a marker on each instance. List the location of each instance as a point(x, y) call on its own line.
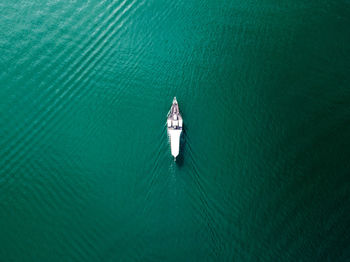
point(86, 171)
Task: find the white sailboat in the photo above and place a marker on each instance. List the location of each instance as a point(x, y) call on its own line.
point(174, 123)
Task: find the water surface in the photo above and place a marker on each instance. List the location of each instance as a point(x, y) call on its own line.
point(86, 172)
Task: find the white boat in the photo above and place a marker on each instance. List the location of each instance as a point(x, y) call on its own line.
point(174, 123)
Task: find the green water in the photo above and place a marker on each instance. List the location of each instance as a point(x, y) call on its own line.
point(86, 172)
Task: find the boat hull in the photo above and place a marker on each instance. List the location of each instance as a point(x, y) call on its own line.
point(174, 126)
point(174, 136)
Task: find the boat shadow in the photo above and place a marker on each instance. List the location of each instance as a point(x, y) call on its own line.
point(180, 158)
